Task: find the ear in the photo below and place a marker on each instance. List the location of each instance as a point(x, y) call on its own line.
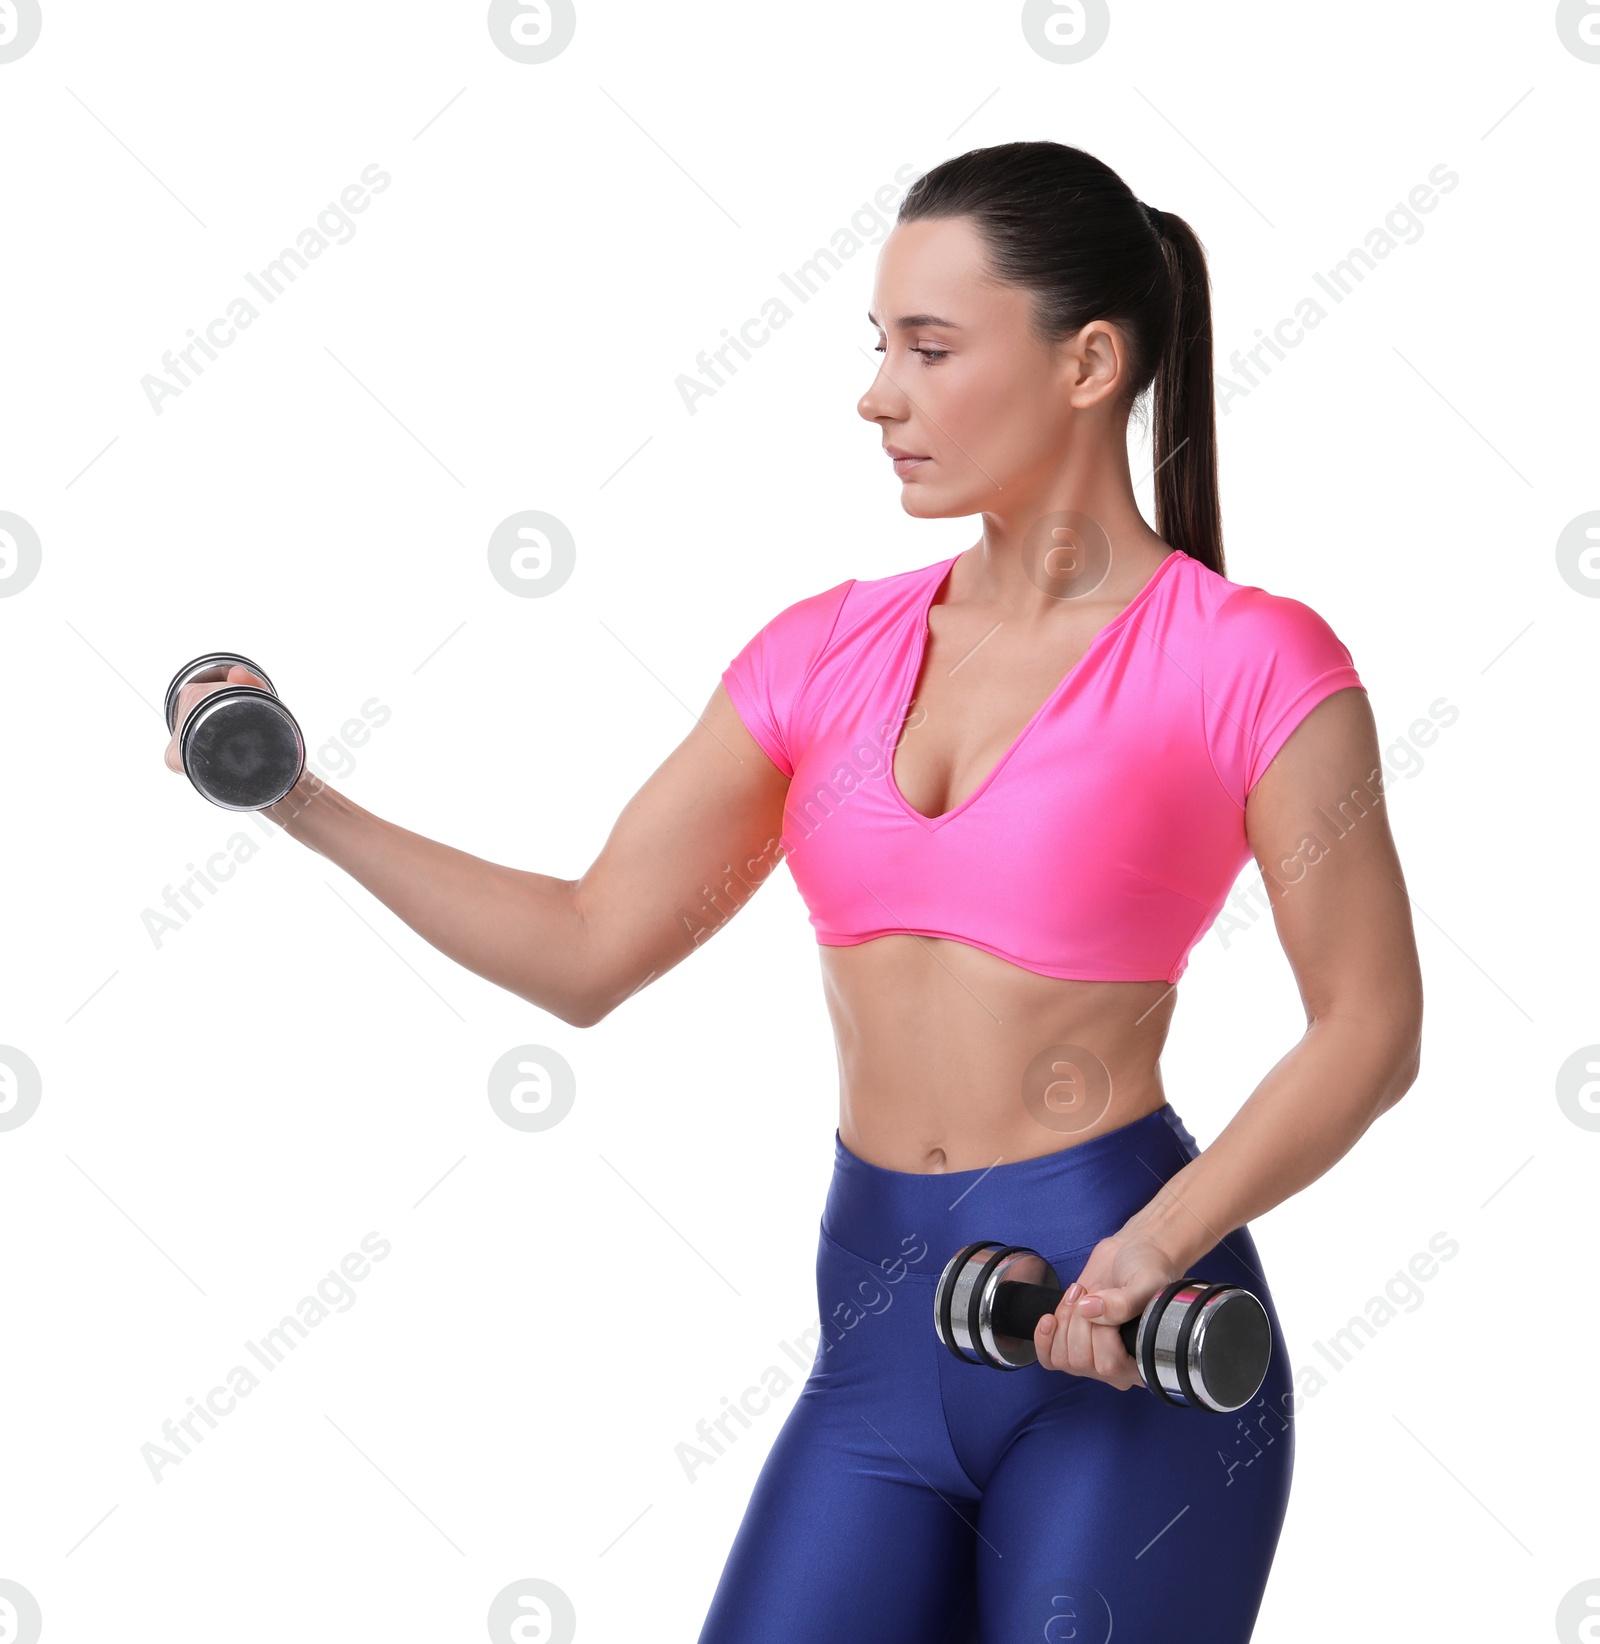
point(1097, 360)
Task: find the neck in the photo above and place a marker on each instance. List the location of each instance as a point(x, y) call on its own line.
point(1077, 536)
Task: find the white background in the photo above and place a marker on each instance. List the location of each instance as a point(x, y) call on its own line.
point(226, 1114)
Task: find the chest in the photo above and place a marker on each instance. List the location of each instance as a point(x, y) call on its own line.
point(1030, 780)
point(978, 686)
point(1055, 804)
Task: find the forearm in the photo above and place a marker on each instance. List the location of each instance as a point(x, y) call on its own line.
point(1304, 1116)
point(519, 930)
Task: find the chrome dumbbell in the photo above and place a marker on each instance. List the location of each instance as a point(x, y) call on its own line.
point(240, 746)
point(1199, 1345)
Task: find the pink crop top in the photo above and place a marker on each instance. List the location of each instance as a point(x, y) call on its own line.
point(1103, 844)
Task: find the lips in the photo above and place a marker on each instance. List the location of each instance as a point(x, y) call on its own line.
point(897, 455)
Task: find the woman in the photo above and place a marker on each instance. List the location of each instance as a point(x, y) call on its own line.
point(1015, 788)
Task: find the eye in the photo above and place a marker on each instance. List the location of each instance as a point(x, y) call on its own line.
point(928, 354)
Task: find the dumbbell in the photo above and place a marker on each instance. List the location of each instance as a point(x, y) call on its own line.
point(240, 746)
point(1202, 1346)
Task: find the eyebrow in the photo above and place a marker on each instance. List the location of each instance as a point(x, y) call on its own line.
point(909, 322)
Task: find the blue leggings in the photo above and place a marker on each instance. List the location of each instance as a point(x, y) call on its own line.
point(912, 1497)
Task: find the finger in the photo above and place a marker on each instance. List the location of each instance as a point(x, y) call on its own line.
point(1080, 1340)
point(1111, 1359)
point(1108, 1309)
point(188, 695)
point(197, 690)
point(1116, 1304)
point(215, 679)
point(1063, 1355)
point(191, 694)
point(1081, 1333)
point(1056, 1342)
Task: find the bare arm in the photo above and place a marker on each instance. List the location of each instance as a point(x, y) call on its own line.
point(687, 851)
point(1320, 834)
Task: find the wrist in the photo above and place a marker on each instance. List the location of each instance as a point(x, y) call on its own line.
point(307, 805)
point(1172, 1223)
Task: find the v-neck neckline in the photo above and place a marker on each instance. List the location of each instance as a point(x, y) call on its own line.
point(919, 654)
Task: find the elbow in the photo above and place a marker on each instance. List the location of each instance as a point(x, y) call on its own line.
point(591, 1015)
point(1405, 1062)
point(609, 961)
point(1410, 1058)
point(588, 993)
point(575, 1017)
point(593, 998)
point(580, 1010)
point(576, 998)
point(1383, 1042)
point(1405, 1075)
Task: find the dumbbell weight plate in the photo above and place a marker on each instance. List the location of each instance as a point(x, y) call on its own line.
point(211, 662)
point(242, 749)
point(1229, 1350)
point(963, 1302)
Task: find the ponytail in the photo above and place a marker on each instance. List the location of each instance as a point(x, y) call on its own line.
point(1183, 396)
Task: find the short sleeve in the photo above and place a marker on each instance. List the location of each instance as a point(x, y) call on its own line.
point(765, 679)
point(1268, 662)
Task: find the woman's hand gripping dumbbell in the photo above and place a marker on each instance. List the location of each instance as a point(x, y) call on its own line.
point(231, 736)
point(1199, 1345)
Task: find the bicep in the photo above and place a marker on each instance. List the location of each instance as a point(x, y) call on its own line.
point(1317, 823)
point(687, 851)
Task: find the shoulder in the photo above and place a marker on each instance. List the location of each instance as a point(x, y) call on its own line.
point(767, 680)
point(1245, 623)
point(804, 628)
point(898, 584)
point(1267, 660)
point(806, 623)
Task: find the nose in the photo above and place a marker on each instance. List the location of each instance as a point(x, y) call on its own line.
point(883, 401)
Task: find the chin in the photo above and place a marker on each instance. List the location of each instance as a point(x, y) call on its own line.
point(928, 503)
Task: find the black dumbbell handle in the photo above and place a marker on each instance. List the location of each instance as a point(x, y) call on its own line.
point(1018, 1307)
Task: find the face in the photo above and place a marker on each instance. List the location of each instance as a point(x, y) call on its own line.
point(966, 386)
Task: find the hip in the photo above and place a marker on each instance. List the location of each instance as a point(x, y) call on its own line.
point(884, 1239)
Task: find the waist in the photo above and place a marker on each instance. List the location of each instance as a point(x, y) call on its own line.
point(942, 1044)
point(1059, 1203)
